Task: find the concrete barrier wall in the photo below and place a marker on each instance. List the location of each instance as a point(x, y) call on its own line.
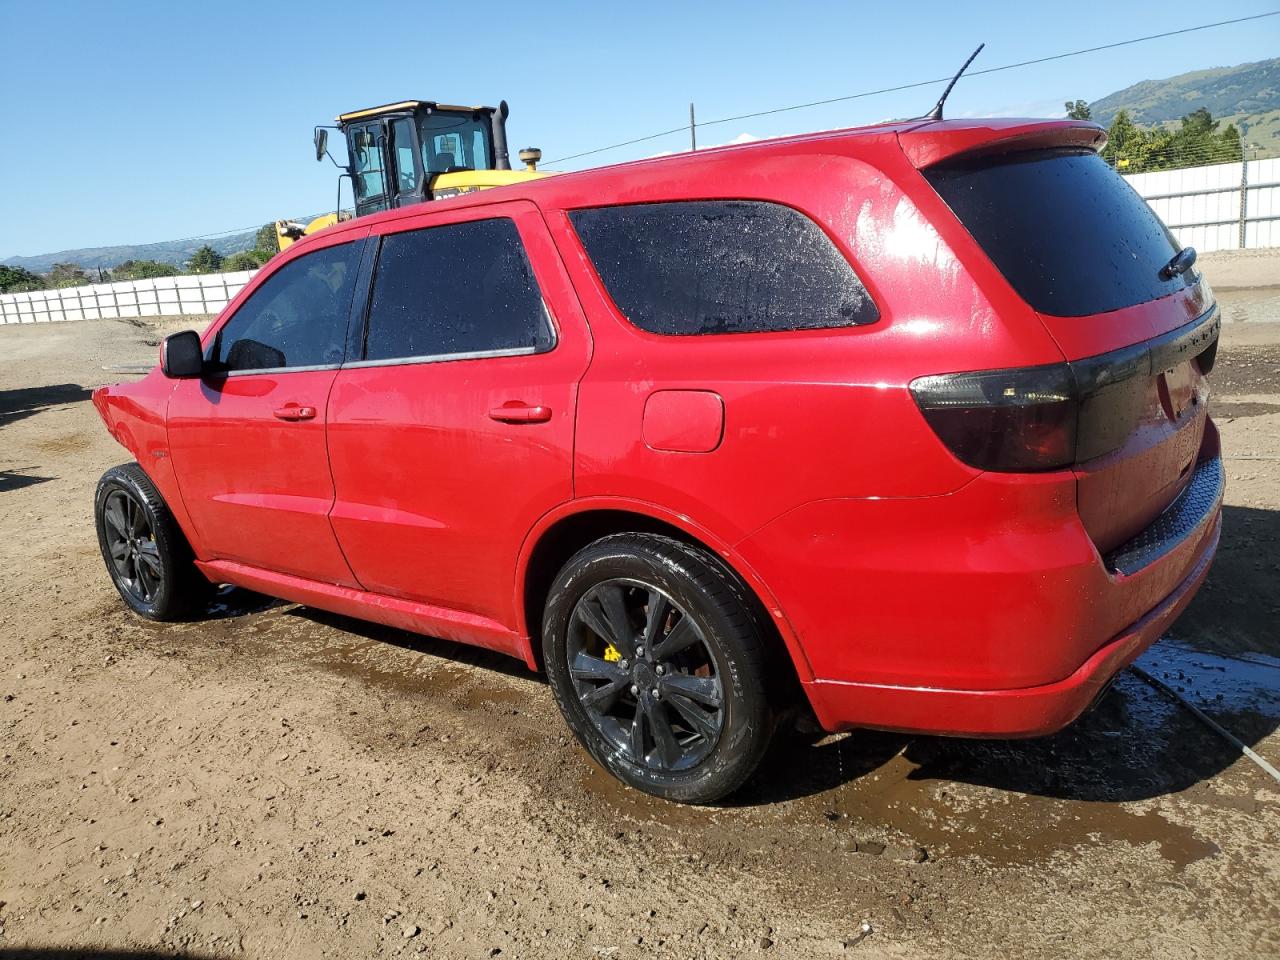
point(163, 296)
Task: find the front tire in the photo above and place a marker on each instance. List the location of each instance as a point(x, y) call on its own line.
point(146, 554)
point(658, 666)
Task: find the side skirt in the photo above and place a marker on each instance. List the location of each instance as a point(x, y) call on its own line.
point(409, 615)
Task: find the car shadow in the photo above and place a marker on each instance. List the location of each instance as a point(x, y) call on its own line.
point(1237, 609)
point(25, 401)
point(1135, 744)
point(17, 479)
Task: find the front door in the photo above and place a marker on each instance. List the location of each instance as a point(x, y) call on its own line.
point(248, 438)
point(367, 150)
point(452, 433)
point(407, 163)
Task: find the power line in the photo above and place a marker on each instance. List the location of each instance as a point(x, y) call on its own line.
point(917, 83)
point(226, 233)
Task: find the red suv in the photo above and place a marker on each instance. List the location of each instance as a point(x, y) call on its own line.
point(907, 422)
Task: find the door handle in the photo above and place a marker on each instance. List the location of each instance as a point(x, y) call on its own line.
point(516, 411)
point(293, 412)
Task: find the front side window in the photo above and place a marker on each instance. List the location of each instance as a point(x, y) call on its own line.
point(296, 318)
point(462, 288)
point(721, 266)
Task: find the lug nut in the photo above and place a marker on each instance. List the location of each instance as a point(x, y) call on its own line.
point(661, 670)
point(655, 693)
point(623, 664)
point(635, 691)
point(639, 652)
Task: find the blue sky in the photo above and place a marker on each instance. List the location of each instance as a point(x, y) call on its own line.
point(133, 122)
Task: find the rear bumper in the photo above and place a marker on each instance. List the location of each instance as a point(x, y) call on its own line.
point(985, 612)
point(1020, 712)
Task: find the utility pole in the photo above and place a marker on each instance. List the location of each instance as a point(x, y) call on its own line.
point(693, 129)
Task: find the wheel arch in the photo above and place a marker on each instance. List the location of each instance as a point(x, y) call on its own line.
point(563, 532)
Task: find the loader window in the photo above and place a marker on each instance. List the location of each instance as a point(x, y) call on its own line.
point(455, 141)
point(406, 165)
point(460, 289)
point(367, 164)
point(296, 318)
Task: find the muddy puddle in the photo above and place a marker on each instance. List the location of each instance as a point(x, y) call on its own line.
point(1010, 802)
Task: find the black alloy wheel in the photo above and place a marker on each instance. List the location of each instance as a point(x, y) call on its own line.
point(645, 675)
point(658, 660)
point(147, 556)
point(131, 544)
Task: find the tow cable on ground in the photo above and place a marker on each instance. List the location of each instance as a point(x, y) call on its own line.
point(1207, 720)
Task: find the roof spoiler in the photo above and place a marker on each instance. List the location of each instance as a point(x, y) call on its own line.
point(932, 143)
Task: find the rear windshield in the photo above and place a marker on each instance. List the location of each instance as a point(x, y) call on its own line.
point(1064, 228)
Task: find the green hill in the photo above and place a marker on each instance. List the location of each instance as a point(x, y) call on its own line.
point(176, 252)
point(1247, 95)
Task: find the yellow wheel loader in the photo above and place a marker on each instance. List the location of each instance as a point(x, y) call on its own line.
point(414, 151)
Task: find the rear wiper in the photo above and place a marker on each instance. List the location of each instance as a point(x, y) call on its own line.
point(1182, 262)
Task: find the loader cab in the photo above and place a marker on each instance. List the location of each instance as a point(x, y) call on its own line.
point(419, 150)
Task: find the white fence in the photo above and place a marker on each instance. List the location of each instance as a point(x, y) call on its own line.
point(162, 296)
point(1226, 206)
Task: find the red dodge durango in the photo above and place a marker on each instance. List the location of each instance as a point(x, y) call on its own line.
point(907, 423)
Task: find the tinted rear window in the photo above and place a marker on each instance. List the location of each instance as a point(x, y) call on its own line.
point(733, 266)
point(1064, 228)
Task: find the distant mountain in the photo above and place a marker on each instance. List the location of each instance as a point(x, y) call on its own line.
point(176, 252)
point(1247, 95)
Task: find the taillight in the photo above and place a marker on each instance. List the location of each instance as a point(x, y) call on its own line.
point(1015, 420)
point(1026, 419)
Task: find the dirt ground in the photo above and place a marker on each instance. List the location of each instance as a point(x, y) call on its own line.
point(280, 782)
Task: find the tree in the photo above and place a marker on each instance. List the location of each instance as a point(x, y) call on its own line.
point(18, 280)
point(143, 270)
point(1197, 141)
point(246, 260)
point(205, 260)
point(1078, 110)
point(67, 275)
point(267, 240)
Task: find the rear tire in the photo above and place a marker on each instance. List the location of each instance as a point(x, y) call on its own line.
point(147, 556)
point(658, 666)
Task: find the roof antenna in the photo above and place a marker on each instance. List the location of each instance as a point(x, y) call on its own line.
point(936, 112)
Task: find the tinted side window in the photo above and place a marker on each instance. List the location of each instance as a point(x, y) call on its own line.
point(297, 318)
point(721, 266)
point(459, 288)
point(1064, 228)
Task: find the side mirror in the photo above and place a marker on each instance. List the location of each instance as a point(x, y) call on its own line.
point(322, 143)
point(181, 355)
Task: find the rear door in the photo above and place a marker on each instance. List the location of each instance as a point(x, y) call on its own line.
point(248, 438)
point(1086, 253)
point(451, 432)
